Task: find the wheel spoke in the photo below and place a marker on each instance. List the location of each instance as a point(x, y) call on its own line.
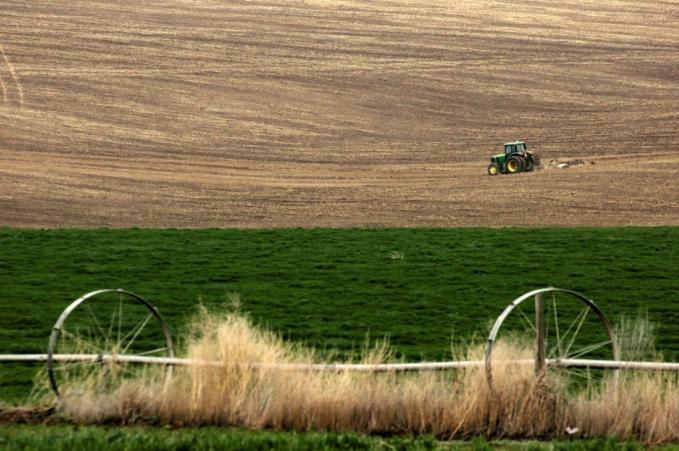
point(563, 338)
point(120, 317)
point(575, 334)
point(130, 332)
point(80, 341)
point(139, 328)
point(96, 321)
point(524, 319)
point(570, 327)
point(153, 351)
point(588, 349)
point(556, 326)
point(109, 335)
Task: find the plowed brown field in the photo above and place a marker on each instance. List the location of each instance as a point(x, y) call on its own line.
point(336, 113)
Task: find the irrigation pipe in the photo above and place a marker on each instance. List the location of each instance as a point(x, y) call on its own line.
point(380, 367)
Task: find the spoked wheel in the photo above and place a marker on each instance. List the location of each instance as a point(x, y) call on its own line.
point(564, 328)
point(98, 328)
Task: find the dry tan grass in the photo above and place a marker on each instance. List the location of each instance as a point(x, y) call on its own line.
point(335, 113)
point(448, 405)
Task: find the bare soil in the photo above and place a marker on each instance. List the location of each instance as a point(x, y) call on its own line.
point(336, 113)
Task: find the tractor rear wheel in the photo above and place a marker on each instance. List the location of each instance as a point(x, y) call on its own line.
point(493, 169)
point(533, 162)
point(515, 164)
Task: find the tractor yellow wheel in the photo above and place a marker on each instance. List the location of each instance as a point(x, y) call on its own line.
point(493, 169)
point(515, 164)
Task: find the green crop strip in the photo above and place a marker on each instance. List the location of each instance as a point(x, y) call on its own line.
point(73, 438)
point(138, 438)
point(332, 288)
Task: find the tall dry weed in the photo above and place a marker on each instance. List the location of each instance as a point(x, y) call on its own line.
point(636, 337)
point(248, 390)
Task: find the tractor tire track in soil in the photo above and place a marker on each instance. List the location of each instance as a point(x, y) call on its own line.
point(3, 87)
point(6, 67)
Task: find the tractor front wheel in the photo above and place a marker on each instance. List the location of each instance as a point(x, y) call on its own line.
point(493, 169)
point(515, 164)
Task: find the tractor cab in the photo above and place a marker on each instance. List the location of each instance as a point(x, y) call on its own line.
point(515, 147)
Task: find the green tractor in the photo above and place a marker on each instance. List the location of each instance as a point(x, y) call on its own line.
point(515, 159)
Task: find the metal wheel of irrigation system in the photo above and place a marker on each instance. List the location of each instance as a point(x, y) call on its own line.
point(564, 328)
point(98, 337)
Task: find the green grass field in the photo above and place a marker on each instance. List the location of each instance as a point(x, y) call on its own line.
point(56, 438)
point(131, 438)
point(331, 288)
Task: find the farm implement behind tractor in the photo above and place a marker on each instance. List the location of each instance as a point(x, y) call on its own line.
point(515, 158)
